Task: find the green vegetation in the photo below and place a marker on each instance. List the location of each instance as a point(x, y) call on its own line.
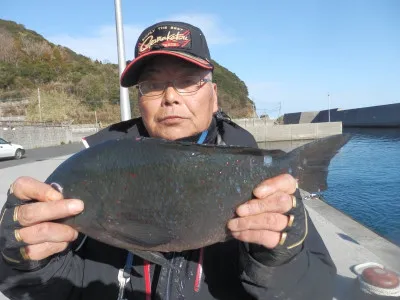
point(73, 87)
point(279, 120)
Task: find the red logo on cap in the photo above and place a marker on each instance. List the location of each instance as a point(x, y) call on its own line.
point(166, 37)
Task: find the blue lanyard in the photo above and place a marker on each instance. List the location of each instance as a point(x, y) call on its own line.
point(202, 137)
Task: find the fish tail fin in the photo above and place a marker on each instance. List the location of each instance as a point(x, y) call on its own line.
point(309, 163)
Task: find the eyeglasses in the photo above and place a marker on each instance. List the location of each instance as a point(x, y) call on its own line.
point(184, 86)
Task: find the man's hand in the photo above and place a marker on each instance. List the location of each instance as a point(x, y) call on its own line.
point(26, 230)
point(262, 220)
point(274, 223)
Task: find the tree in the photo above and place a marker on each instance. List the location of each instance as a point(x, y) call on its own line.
point(8, 51)
point(91, 88)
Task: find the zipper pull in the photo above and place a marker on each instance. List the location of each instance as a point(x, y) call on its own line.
point(123, 280)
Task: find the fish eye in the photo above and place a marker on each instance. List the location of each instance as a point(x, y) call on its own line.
point(267, 160)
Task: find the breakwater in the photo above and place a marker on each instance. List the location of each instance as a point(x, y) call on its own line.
point(374, 116)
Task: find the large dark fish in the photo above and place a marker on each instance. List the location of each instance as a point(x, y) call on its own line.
point(156, 195)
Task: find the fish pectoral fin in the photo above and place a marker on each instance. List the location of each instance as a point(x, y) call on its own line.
point(154, 257)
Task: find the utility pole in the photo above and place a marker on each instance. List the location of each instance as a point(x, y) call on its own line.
point(95, 116)
point(40, 109)
point(329, 108)
point(280, 107)
point(123, 92)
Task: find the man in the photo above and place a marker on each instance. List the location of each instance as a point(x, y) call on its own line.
point(275, 252)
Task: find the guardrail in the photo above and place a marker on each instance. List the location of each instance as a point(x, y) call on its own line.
point(32, 123)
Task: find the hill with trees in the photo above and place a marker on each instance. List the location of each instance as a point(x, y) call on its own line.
point(72, 87)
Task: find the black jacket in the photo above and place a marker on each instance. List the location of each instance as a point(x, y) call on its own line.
point(90, 269)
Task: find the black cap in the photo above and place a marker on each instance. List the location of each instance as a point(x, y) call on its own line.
point(168, 38)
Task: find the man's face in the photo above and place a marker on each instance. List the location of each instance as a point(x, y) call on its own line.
point(171, 115)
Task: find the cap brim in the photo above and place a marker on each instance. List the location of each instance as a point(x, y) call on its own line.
point(130, 76)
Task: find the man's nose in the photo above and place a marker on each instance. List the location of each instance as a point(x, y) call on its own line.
point(171, 95)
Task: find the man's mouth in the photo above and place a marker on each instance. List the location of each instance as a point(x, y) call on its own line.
point(172, 119)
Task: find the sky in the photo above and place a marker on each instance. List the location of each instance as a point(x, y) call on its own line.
point(290, 53)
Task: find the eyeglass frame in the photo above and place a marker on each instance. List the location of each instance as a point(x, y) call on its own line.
point(171, 83)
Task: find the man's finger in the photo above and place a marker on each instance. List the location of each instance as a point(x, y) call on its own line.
point(28, 188)
point(34, 213)
point(266, 238)
point(47, 232)
point(266, 221)
point(283, 183)
point(278, 202)
point(42, 251)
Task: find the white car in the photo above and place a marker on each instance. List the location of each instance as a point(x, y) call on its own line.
point(8, 149)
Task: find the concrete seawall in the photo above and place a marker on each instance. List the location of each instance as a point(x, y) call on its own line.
point(267, 132)
point(263, 130)
point(43, 136)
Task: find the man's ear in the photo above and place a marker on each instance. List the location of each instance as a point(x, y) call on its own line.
point(215, 97)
